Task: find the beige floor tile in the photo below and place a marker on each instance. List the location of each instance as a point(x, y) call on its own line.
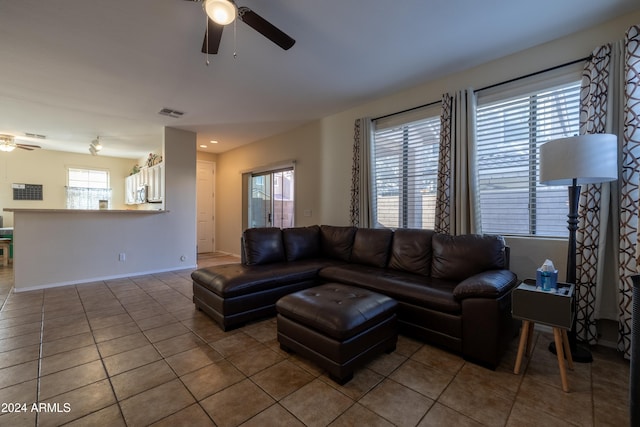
point(24, 392)
point(385, 364)
point(255, 359)
point(574, 406)
point(363, 381)
point(232, 406)
point(116, 331)
point(131, 359)
point(194, 359)
point(397, 403)
point(158, 402)
point(20, 320)
point(407, 346)
point(529, 414)
point(274, 415)
point(107, 321)
point(440, 415)
point(178, 344)
point(439, 359)
point(19, 355)
point(211, 379)
point(191, 416)
point(282, 379)
point(237, 343)
point(18, 419)
point(109, 416)
point(66, 344)
point(122, 344)
point(141, 379)
point(24, 329)
point(155, 321)
point(68, 359)
point(19, 341)
point(71, 379)
point(424, 379)
point(81, 402)
point(166, 331)
point(317, 403)
point(477, 401)
point(358, 415)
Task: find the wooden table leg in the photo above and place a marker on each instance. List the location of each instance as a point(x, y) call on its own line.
point(567, 349)
point(557, 336)
point(530, 339)
point(523, 342)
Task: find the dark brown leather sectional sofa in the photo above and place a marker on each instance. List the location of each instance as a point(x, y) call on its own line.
point(452, 291)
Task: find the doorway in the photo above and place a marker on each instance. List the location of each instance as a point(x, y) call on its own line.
point(205, 195)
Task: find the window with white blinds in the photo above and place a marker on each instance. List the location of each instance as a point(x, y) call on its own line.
point(405, 169)
point(509, 134)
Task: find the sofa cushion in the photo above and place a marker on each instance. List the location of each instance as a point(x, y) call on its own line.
point(460, 257)
point(426, 292)
point(263, 245)
point(301, 242)
point(411, 251)
point(371, 246)
point(336, 242)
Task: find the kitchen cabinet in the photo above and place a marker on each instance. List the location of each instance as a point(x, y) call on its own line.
point(146, 186)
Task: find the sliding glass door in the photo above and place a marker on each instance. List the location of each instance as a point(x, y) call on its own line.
point(271, 200)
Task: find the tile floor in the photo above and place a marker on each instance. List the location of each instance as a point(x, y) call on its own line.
point(134, 352)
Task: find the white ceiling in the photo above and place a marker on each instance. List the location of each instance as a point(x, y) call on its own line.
point(75, 69)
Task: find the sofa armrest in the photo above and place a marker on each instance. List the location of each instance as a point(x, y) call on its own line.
point(488, 284)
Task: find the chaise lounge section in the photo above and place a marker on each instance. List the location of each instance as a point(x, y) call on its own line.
point(451, 291)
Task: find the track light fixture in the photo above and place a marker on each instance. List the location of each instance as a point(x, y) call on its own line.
point(95, 146)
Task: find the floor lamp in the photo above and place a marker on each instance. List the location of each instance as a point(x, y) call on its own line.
point(581, 159)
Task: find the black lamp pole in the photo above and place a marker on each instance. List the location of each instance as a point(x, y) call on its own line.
point(579, 353)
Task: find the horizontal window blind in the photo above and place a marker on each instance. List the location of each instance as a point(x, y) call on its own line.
point(509, 134)
point(405, 170)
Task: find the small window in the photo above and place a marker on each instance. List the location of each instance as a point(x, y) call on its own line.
point(86, 188)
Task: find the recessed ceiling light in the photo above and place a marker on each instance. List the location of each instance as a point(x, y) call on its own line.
point(213, 141)
point(203, 146)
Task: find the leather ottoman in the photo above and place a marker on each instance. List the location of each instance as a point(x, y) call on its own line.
point(338, 327)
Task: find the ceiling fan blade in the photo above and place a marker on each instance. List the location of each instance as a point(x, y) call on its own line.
point(265, 28)
point(213, 36)
point(28, 146)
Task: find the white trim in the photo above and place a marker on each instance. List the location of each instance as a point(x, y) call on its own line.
point(92, 280)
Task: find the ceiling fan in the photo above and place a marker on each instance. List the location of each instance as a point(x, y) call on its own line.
point(8, 143)
point(223, 12)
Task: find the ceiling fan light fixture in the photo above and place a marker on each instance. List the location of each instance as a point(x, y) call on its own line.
point(221, 12)
point(7, 143)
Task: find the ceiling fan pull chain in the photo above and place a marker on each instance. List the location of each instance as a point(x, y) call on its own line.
point(206, 35)
point(235, 53)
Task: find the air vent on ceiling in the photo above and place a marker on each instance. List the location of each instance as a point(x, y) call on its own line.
point(35, 135)
point(171, 113)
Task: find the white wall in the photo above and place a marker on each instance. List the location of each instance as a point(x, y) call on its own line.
point(49, 168)
point(327, 144)
point(54, 249)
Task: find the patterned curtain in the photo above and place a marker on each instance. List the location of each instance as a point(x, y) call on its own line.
point(594, 117)
point(361, 210)
point(443, 195)
point(630, 186)
point(604, 108)
point(457, 189)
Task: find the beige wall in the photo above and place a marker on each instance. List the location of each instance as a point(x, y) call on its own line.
point(49, 168)
point(324, 147)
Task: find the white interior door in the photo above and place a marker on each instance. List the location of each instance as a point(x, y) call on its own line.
point(205, 188)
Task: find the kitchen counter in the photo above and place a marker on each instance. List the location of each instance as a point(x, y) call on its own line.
point(128, 211)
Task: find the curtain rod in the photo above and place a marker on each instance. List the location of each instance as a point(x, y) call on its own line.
point(429, 104)
point(515, 79)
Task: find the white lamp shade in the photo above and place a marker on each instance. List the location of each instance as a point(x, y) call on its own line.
point(221, 12)
point(589, 159)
